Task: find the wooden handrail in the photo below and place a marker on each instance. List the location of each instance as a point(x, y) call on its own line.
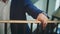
point(25, 21)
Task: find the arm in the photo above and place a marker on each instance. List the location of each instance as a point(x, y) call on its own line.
point(36, 13)
point(31, 9)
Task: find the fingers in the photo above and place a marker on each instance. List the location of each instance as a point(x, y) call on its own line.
point(43, 19)
point(44, 24)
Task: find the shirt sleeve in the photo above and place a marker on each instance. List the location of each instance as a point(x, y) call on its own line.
point(31, 9)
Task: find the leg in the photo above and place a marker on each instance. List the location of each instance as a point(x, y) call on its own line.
point(5, 28)
point(17, 29)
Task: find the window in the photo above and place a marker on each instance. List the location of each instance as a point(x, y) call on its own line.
point(57, 4)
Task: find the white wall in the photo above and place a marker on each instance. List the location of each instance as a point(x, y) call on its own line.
point(41, 4)
point(51, 8)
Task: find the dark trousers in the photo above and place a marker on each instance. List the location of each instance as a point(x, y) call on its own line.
point(20, 29)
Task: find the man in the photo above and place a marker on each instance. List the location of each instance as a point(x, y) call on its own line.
point(18, 9)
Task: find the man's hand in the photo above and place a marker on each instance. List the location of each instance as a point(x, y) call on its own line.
point(41, 17)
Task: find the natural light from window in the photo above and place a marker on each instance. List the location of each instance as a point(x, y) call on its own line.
point(57, 4)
